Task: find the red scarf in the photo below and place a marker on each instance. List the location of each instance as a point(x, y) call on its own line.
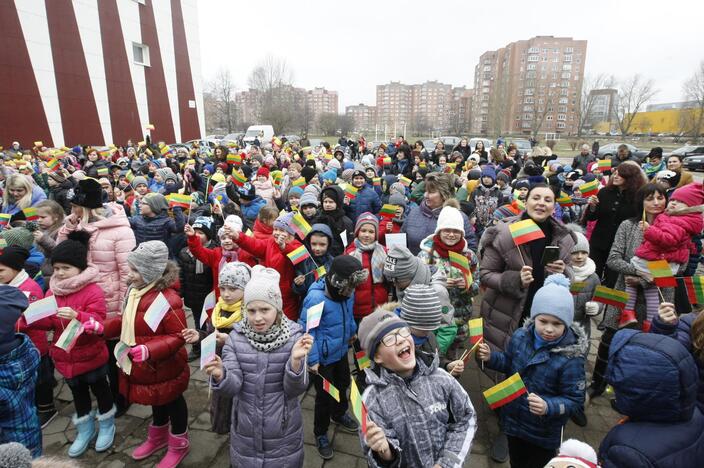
point(442, 249)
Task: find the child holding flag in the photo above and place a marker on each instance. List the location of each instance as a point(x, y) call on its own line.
point(263, 367)
point(317, 243)
point(404, 388)
point(549, 353)
point(81, 358)
point(154, 367)
point(154, 223)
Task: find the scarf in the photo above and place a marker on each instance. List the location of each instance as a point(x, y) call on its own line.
point(584, 272)
point(443, 249)
point(273, 338)
point(74, 284)
point(199, 265)
point(21, 277)
point(378, 258)
point(234, 314)
point(129, 312)
point(227, 257)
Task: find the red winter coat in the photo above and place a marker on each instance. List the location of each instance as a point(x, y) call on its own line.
point(273, 257)
point(164, 376)
point(670, 237)
point(383, 231)
point(368, 295)
point(86, 297)
point(212, 257)
point(33, 292)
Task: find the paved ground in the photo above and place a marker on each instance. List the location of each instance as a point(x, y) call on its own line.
point(209, 449)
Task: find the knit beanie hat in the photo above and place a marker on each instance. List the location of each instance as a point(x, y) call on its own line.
point(15, 455)
point(474, 174)
point(522, 183)
point(205, 225)
point(14, 257)
point(397, 199)
point(149, 259)
point(366, 218)
point(309, 199)
point(397, 187)
point(295, 191)
point(263, 172)
point(88, 194)
point(330, 176)
point(691, 194)
point(217, 178)
point(20, 236)
point(334, 164)
point(450, 218)
point(139, 180)
point(73, 251)
point(57, 177)
point(375, 326)
point(575, 453)
point(235, 274)
point(503, 177)
point(347, 175)
point(582, 244)
point(170, 175)
point(12, 303)
point(421, 308)
point(284, 222)
point(488, 171)
point(264, 286)
point(555, 299)
point(308, 173)
point(157, 202)
point(235, 222)
point(400, 263)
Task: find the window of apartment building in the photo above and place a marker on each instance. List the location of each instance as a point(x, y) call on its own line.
point(527, 116)
point(533, 58)
point(529, 100)
point(526, 125)
point(485, 83)
point(563, 100)
point(567, 67)
point(484, 118)
point(548, 117)
point(556, 50)
point(562, 117)
point(533, 50)
point(550, 109)
point(527, 108)
point(561, 108)
point(569, 50)
point(530, 66)
point(140, 54)
point(553, 85)
point(545, 51)
point(565, 84)
point(556, 59)
point(530, 83)
point(545, 58)
point(568, 58)
point(529, 92)
point(518, 117)
point(530, 75)
point(541, 101)
point(560, 125)
point(564, 92)
point(543, 76)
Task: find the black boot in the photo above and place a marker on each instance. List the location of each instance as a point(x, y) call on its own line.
point(499, 449)
point(194, 355)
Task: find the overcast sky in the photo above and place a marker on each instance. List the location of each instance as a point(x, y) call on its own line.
point(351, 46)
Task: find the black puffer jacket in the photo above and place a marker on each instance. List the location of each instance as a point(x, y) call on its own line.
point(194, 286)
point(336, 220)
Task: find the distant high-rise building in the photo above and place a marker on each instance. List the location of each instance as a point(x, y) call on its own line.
point(393, 106)
point(320, 101)
point(603, 107)
point(530, 86)
point(671, 105)
point(364, 118)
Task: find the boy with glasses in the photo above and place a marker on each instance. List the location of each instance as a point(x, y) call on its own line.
point(418, 414)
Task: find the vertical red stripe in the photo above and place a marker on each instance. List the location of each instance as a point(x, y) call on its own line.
point(124, 116)
point(79, 114)
point(22, 115)
point(157, 95)
point(188, 116)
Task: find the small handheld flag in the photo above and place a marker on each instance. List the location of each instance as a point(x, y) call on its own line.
point(53, 165)
point(590, 188)
point(565, 200)
point(122, 355)
point(156, 311)
point(358, 407)
point(525, 231)
point(331, 389)
point(69, 336)
point(298, 255)
point(300, 182)
point(208, 304)
point(234, 159)
point(319, 272)
point(505, 392)
point(405, 181)
point(30, 213)
point(695, 289)
point(376, 181)
point(351, 192)
point(459, 261)
point(177, 199)
point(4, 219)
point(577, 287)
point(313, 316)
point(662, 274)
point(386, 161)
point(468, 353)
point(362, 360)
point(604, 164)
point(476, 330)
point(300, 225)
point(388, 211)
point(40, 309)
point(238, 178)
point(610, 296)
point(208, 348)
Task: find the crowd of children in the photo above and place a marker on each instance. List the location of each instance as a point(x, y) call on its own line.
point(289, 257)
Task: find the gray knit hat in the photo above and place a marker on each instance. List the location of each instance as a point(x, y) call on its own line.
point(309, 198)
point(264, 286)
point(375, 326)
point(400, 263)
point(235, 275)
point(149, 259)
point(421, 307)
point(397, 199)
point(20, 236)
point(139, 180)
point(284, 222)
point(582, 244)
point(157, 202)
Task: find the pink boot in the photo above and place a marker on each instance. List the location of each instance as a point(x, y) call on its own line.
point(157, 439)
point(179, 446)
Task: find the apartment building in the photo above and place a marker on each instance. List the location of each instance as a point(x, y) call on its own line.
point(364, 117)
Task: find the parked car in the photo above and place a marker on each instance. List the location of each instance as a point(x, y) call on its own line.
point(202, 143)
point(291, 138)
point(694, 163)
point(524, 147)
point(450, 142)
point(214, 137)
point(689, 150)
point(232, 136)
point(612, 148)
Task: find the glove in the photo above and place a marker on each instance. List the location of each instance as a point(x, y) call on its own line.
point(93, 327)
point(139, 353)
point(591, 308)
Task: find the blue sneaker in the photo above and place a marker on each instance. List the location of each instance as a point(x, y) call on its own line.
point(324, 447)
point(347, 423)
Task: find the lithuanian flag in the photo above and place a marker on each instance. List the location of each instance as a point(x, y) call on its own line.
point(405, 181)
point(103, 171)
point(662, 274)
point(362, 360)
point(459, 261)
point(525, 231)
point(234, 158)
point(694, 286)
point(476, 330)
point(376, 181)
point(351, 192)
point(610, 296)
point(590, 188)
point(177, 199)
point(300, 225)
point(505, 392)
point(53, 165)
point(4, 219)
point(319, 272)
point(577, 287)
point(358, 408)
point(300, 182)
point(331, 389)
point(604, 164)
point(298, 255)
point(386, 161)
point(30, 214)
point(238, 178)
point(565, 200)
point(129, 176)
point(388, 211)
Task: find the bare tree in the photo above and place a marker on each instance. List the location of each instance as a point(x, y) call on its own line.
point(692, 120)
point(587, 99)
point(498, 105)
point(633, 93)
point(327, 123)
point(274, 80)
point(221, 99)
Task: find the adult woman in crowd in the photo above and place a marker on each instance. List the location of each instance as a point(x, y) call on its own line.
point(481, 151)
point(437, 152)
point(20, 193)
point(682, 177)
point(651, 199)
point(512, 275)
point(111, 240)
point(609, 208)
point(422, 219)
point(464, 148)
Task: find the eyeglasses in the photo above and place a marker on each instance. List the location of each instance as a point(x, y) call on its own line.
point(391, 339)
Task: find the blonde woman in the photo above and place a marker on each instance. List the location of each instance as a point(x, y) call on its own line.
point(20, 193)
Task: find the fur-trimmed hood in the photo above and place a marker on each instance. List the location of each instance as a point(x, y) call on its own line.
point(169, 278)
point(575, 344)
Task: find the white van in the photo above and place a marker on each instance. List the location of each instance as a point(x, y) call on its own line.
point(264, 132)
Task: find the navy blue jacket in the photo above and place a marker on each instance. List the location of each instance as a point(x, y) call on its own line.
point(655, 381)
point(553, 372)
point(366, 200)
point(160, 227)
point(306, 266)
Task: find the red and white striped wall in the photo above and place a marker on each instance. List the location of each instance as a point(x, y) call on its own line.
point(69, 72)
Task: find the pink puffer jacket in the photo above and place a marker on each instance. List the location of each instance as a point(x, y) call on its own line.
point(111, 240)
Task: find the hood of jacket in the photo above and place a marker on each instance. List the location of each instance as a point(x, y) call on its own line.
point(654, 377)
point(574, 344)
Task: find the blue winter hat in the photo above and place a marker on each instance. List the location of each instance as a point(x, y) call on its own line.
point(12, 302)
point(348, 165)
point(488, 171)
point(555, 299)
point(319, 228)
point(330, 175)
point(295, 191)
point(285, 222)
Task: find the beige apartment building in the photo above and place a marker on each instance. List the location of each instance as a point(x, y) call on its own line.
point(320, 101)
point(364, 118)
point(529, 87)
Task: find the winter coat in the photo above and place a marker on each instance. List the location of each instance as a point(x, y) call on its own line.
point(265, 190)
point(91, 168)
point(486, 201)
point(369, 295)
point(627, 239)
point(427, 420)
point(267, 426)
point(19, 421)
point(37, 196)
point(581, 162)
point(111, 241)
point(213, 256)
point(160, 227)
point(682, 332)
point(38, 336)
point(89, 352)
point(337, 326)
point(164, 376)
point(554, 372)
point(46, 245)
point(366, 200)
point(670, 237)
point(614, 207)
point(60, 194)
point(500, 265)
point(251, 209)
point(271, 256)
point(336, 221)
point(656, 384)
point(421, 222)
point(306, 266)
point(195, 286)
point(615, 160)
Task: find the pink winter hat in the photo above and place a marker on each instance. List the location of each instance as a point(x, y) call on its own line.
point(691, 194)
